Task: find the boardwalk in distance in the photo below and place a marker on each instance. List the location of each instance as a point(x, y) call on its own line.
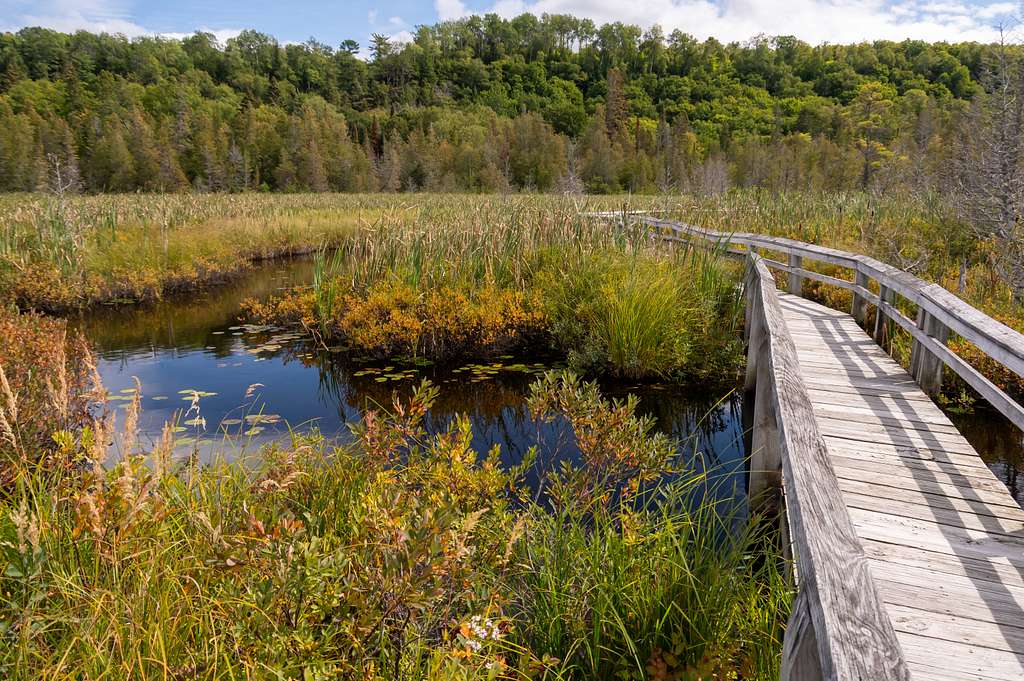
point(943, 537)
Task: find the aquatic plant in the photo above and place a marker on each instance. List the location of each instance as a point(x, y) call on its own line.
point(404, 555)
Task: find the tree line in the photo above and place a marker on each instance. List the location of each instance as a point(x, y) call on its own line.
point(553, 103)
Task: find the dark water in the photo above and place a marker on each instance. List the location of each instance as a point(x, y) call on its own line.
point(258, 384)
point(1000, 444)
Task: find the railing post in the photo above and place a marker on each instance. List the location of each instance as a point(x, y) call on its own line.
point(765, 483)
point(881, 320)
point(800, 658)
point(766, 450)
point(860, 305)
point(796, 282)
point(926, 367)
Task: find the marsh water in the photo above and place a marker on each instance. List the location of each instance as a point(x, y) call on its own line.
point(258, 384)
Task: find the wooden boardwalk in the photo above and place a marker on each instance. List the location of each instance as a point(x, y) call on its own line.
point(944, 540)
point(908, 552)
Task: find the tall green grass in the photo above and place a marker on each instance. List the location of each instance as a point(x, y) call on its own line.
point(404, 556)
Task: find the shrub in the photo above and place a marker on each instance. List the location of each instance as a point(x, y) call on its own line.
point(43, 387)
point(404, 555)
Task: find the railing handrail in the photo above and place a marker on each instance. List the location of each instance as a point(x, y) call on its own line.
point(940, 311)
point(839, 629)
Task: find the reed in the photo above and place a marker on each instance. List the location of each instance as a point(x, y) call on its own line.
point(402, 556)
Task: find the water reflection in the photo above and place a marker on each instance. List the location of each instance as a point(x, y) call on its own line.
point(999, 442)
point(198, 344)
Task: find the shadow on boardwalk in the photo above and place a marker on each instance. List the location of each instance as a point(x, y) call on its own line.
point(945, 538)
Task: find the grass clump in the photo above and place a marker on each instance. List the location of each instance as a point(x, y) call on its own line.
point(401, 556)
point(637, 315)
point(518, 276)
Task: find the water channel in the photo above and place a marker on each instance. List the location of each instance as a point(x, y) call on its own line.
point(259, 384)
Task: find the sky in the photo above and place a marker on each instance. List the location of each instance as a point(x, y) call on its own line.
point(816, 21)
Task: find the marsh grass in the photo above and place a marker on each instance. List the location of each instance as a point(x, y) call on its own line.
point(90, 250)
point(402, 556)
point(423, 282)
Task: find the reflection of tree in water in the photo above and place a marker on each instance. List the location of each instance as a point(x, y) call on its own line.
point(708, 429)
point(187, 321)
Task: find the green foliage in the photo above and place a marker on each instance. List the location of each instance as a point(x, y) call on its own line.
point(542, 103)
point(401, 556)
point(640, 315)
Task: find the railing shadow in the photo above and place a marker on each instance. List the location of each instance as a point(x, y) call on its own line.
point(902, 420)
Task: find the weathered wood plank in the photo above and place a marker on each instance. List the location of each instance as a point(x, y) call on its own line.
point(883, 451)
point(978, 570)
point(969, 500)
point(946, 514)
point(965, 661)
point(908, 438)
point(932, 537)
point(904, 473)
point(954, 627)
point(842, 602)
point(893, 484)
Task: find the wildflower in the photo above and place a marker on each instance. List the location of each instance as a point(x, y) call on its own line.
point(477, 631)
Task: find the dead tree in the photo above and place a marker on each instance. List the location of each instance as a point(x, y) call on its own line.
point(987, 166)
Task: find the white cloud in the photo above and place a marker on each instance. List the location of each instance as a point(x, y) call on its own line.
point(97, 16)
point(817, 21)
point(222, 35)
point(401, 37)
point(451, 9)
point(998, 9)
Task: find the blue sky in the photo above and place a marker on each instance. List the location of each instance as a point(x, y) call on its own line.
point(816, 21)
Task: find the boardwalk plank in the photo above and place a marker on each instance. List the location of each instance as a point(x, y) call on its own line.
point(945, 539)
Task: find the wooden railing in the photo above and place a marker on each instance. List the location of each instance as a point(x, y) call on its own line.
point(939, 312)
point(839, 629)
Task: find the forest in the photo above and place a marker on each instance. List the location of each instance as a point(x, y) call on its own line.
point(481, 104)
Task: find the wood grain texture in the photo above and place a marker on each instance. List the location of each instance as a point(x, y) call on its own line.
point(944, 536)
point(909, 551)
point(854, 636)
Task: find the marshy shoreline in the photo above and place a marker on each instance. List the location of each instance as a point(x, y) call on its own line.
point(405, 551)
